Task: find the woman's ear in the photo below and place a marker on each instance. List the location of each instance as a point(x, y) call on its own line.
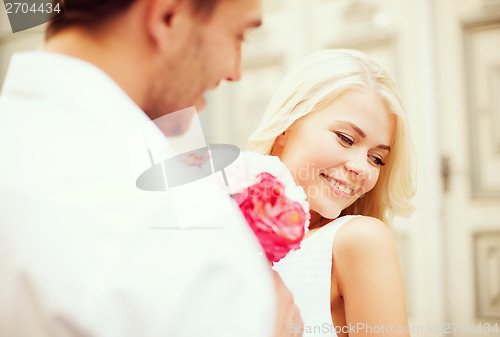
point(281, 139)
point(278, 145)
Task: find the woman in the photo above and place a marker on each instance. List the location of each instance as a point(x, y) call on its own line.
point(338, 124)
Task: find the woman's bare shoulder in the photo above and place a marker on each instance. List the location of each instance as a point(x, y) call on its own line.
point(363, 241)
point(367, 273)
point(363, 231)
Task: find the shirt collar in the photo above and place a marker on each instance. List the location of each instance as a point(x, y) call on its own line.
point(74, 81)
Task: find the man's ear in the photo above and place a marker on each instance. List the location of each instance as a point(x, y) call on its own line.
point(163, 18)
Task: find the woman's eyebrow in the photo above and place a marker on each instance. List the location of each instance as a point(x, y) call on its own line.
point(363, 134)
point(355, 128)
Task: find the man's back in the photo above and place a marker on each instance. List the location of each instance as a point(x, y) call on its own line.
point(87, 253)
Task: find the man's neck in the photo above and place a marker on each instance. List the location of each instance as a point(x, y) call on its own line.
point(124, 64)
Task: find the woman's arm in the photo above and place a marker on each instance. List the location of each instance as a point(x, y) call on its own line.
point(369, 279)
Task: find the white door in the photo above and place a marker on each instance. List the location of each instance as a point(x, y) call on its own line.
point(468, 73)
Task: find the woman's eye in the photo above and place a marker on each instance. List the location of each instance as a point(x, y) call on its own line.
point(377, 161)
point(345, 139)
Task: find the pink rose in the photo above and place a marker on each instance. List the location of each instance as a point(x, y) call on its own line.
point(196, 159)
point(278, 221)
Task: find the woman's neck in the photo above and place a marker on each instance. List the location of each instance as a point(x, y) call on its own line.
point(316, 220)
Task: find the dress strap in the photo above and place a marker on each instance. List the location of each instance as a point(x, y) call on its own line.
point(307, 273)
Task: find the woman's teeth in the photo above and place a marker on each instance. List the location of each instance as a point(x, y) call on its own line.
point(341, 187)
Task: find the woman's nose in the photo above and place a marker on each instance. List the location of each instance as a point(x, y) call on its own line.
point(357, 165)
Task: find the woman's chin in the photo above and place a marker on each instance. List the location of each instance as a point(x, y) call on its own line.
point(327, 211)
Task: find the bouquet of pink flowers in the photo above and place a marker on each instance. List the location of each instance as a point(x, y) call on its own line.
point(273, 205)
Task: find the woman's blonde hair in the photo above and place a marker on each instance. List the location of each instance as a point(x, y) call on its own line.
point(312, 86)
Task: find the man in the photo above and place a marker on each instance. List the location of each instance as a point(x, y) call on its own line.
point(80, 254)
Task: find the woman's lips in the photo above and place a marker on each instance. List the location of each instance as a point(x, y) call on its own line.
point(341, 188)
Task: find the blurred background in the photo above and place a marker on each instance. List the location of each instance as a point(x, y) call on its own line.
point(445, 57)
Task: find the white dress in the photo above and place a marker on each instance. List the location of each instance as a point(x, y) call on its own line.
point(307, 273)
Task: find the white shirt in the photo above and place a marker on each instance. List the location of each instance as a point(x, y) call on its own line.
point(83, 251)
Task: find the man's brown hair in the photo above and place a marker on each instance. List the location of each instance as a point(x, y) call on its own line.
point(92, 13)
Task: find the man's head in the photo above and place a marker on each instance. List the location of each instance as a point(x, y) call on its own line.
point(93, 13)
point(165, 53)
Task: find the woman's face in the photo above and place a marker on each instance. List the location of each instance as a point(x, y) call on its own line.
point(336, 153)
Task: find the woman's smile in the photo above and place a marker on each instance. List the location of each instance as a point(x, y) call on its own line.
point(340, 189)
